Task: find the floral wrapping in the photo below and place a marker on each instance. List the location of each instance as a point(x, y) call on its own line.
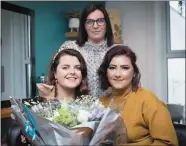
point(110, 128)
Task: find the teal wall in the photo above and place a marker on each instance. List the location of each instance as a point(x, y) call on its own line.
point(50, 26)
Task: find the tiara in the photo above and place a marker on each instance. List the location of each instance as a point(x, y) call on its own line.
point(60, 49)
point(57, 52)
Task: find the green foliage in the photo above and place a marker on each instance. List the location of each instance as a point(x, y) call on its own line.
point(66, 117)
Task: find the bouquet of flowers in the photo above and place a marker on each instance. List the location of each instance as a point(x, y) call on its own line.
point(84, 121)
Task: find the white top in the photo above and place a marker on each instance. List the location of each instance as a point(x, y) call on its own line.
point(93, 55)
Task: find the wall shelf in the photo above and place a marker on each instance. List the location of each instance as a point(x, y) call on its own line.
point(71, 34)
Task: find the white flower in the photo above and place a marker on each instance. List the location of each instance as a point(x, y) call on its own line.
point(39, 106)
point(26, 103)
point(33, 102)
point(97, 102)
point(83, 116)
point(56, 113)
point(51, 119)
point(34, 108)
point(65, 105)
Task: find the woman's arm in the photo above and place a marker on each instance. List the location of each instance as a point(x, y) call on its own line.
point(159, 122)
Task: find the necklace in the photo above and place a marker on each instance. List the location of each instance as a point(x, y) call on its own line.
point(117, 108)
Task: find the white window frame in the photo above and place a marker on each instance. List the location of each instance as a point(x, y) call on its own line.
point(170, 53)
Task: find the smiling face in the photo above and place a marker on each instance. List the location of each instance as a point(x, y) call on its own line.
point(96, 32)
point(120, 73)
point(68, 73)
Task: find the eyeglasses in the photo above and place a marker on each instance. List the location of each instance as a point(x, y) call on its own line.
point(99, 21)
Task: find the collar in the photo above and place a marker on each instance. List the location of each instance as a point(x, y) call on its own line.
point(122, 94)
point(101, 47)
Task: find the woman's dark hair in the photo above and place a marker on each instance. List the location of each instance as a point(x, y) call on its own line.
point(83, 36)
point(117, 51)
point(83, 87)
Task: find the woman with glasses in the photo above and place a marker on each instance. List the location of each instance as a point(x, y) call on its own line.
point(94, 39)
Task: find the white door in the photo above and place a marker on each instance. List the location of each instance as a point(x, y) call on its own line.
point(15, 57)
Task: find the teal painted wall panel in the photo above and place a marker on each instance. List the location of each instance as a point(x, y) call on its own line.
point(50, 26)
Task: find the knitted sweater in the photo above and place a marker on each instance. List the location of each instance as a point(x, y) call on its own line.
point(147, 118)
point(93, 55)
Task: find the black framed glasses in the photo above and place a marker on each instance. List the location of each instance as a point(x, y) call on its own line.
point(99, 21)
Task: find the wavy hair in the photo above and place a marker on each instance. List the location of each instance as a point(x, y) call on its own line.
point(117, 51)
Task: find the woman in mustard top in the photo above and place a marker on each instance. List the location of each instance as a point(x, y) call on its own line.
point(147, 119)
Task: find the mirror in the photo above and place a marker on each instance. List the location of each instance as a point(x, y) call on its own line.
point(17, 52)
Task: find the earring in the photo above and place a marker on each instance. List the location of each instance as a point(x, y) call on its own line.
point(56, 82)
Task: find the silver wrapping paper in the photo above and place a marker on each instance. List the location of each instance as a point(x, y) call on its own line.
point(21, 118)
point(56, 134)
point(111, 128)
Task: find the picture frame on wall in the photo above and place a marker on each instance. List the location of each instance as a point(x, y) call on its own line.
point(115, 19)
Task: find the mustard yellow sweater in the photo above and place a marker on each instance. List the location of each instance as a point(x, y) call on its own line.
point(147, 119)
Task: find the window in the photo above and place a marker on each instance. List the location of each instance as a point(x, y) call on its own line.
point(175, 55)
point(176, 80)
point(177, 25)
point(176, 52)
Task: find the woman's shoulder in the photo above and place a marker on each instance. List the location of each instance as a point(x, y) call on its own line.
point(148, 97)
point(145, 93)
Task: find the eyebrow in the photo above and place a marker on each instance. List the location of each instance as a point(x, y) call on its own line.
point(95, 19)
point(125, 65)
point(69, 65)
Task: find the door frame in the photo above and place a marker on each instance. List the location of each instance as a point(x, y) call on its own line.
point(31, 13)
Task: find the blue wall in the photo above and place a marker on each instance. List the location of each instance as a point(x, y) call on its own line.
point(50, 26)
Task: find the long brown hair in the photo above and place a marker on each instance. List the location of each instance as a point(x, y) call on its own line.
point(83, 36)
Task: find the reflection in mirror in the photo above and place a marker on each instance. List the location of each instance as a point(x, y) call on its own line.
point(17, 49)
